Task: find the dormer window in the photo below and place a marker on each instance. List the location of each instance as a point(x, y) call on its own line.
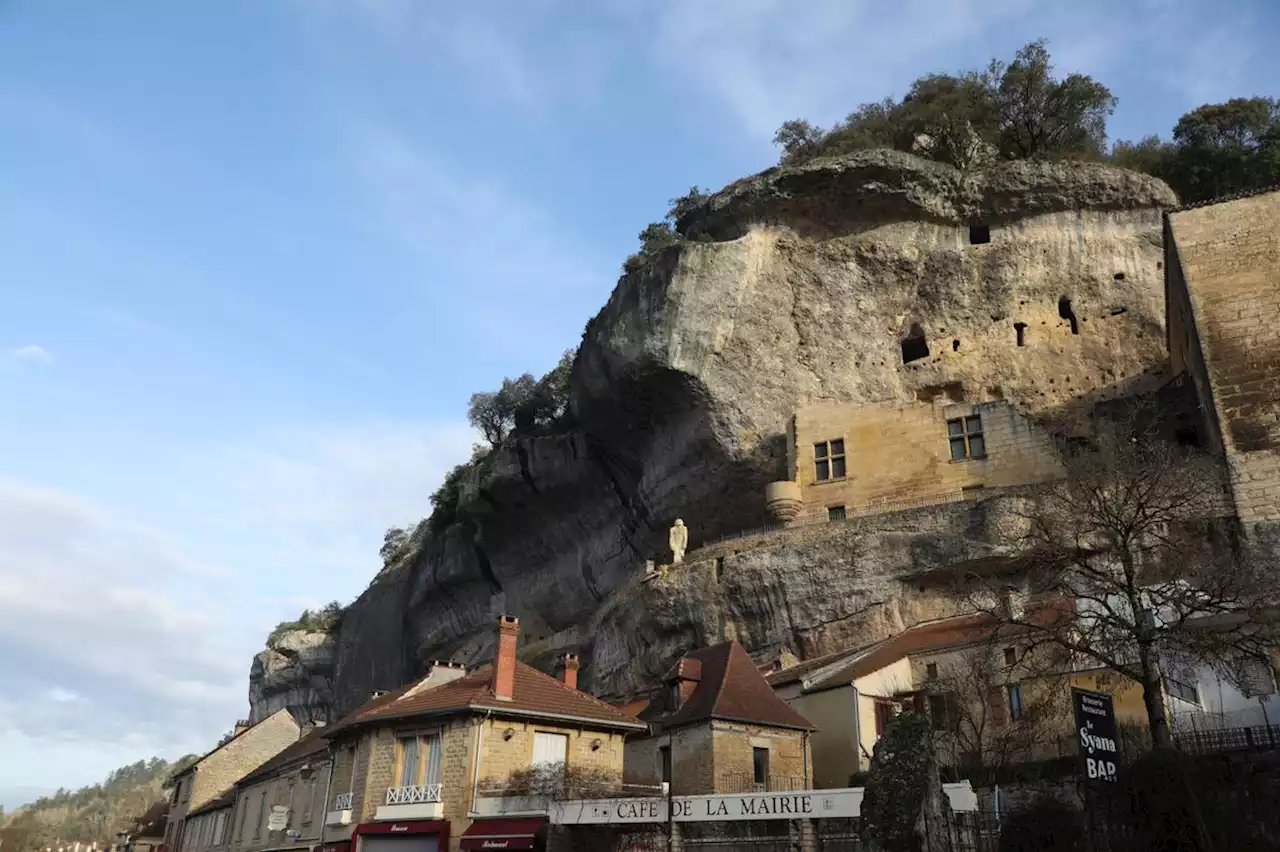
point(675, 696)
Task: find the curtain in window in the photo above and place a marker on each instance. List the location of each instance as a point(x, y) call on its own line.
point(408, 762)
point(432, 745)
point(549, 748)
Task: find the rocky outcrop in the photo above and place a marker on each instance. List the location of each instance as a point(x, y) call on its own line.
point(295, 672)
point(1039, 284)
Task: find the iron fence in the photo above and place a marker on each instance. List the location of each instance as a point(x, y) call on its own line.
point(1261, 737)
point(745, 782)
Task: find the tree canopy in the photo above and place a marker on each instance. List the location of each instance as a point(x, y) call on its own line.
point(1014, 111)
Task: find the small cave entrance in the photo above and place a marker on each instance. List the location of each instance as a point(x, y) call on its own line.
point(1064, 311)
point(1020, 329)
point(914, 346)
point(979, 234)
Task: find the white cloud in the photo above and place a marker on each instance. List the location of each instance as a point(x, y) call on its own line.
point(31, 354)
point(106, 628)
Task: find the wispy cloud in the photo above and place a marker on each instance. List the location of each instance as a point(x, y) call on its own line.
point(98, 612)
point(474, 236)
point(31, 354)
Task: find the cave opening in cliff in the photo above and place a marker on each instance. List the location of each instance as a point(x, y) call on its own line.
point(1064, 311)
point(914, 346)
point(979, 234)
point(1020, 329)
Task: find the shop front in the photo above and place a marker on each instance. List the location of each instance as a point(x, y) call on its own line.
point(509, 833)
point(426, 835)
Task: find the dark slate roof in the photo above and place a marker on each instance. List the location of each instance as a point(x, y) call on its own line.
point(730, 687)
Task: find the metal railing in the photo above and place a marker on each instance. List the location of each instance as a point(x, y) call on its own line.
point(415, 794)
point(745, 782)
point(342, 802)
point(1258, 738)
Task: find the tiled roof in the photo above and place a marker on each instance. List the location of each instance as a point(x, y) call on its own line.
point(730, 687)
point(953, 632)
point(789, 675)
point(534, 693)
point(311, 743)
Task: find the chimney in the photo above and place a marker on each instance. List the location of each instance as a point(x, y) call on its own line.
point(569, 673)
point(504, 661)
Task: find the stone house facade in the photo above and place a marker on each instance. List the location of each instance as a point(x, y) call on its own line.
point(994, 695)
point(715, 726)
point(436, 757)
point(281, 805)
point(213, 775)
point(847, 459)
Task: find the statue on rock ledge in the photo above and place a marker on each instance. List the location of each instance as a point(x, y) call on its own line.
point(679, 540)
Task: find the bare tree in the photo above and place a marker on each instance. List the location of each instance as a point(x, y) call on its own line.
point(1139, 535)
point(1001, 712)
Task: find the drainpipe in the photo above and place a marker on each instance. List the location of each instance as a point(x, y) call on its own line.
point(328, 789)
point(857, 728)
point(475, 764)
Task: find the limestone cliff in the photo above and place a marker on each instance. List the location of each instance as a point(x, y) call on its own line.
point(1038, 284)
point(295, 672)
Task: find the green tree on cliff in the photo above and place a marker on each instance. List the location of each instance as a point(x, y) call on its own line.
point(1216, 150)
point(1015, 111)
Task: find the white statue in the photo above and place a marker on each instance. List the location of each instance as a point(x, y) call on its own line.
point(679, 540)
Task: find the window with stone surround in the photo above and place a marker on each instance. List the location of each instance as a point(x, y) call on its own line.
point(760, 765)
point(418, 760)
point(835, 513)
point(965, 437)
point(828, 460)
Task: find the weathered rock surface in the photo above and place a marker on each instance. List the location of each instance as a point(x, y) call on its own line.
point(295, 672)
point(797, 287)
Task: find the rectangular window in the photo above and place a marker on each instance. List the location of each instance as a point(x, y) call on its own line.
point(293, 811)
point(965, 437)
point(931, 671)
point(1178, 689)
point(1016, 709)
point(882, 717)
point(835, 513)
point(760, 765)
point(262, 815)
point(664, 755)
point(828, 460)
point(1010, 656)
point(419, 761)
point(549, 748)
point(244, 809)
point(407, 776)
point(311, 801)
point(938, 711)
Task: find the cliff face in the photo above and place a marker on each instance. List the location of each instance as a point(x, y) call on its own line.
point(295, 672)
point(798, 287)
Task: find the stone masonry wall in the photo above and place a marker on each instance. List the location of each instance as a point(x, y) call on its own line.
point(901, 453)
point(1230, 255)
point(734, 744)
point(692, 760)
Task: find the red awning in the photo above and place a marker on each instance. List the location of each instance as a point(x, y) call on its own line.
point(502, 833)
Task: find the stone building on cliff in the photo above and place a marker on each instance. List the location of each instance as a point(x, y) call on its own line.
point(874, 338)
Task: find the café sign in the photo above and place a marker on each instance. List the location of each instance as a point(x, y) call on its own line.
point(789, 805)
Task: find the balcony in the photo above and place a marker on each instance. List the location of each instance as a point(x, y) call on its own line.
point(341, 813)
point(415, 801)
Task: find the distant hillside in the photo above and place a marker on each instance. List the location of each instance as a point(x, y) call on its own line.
point(91, 814)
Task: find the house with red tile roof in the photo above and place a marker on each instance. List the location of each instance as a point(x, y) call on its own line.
point(976, 676)
point(716, 726)
point(412, 768)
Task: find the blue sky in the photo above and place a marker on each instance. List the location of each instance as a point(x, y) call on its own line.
point(255, 255)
